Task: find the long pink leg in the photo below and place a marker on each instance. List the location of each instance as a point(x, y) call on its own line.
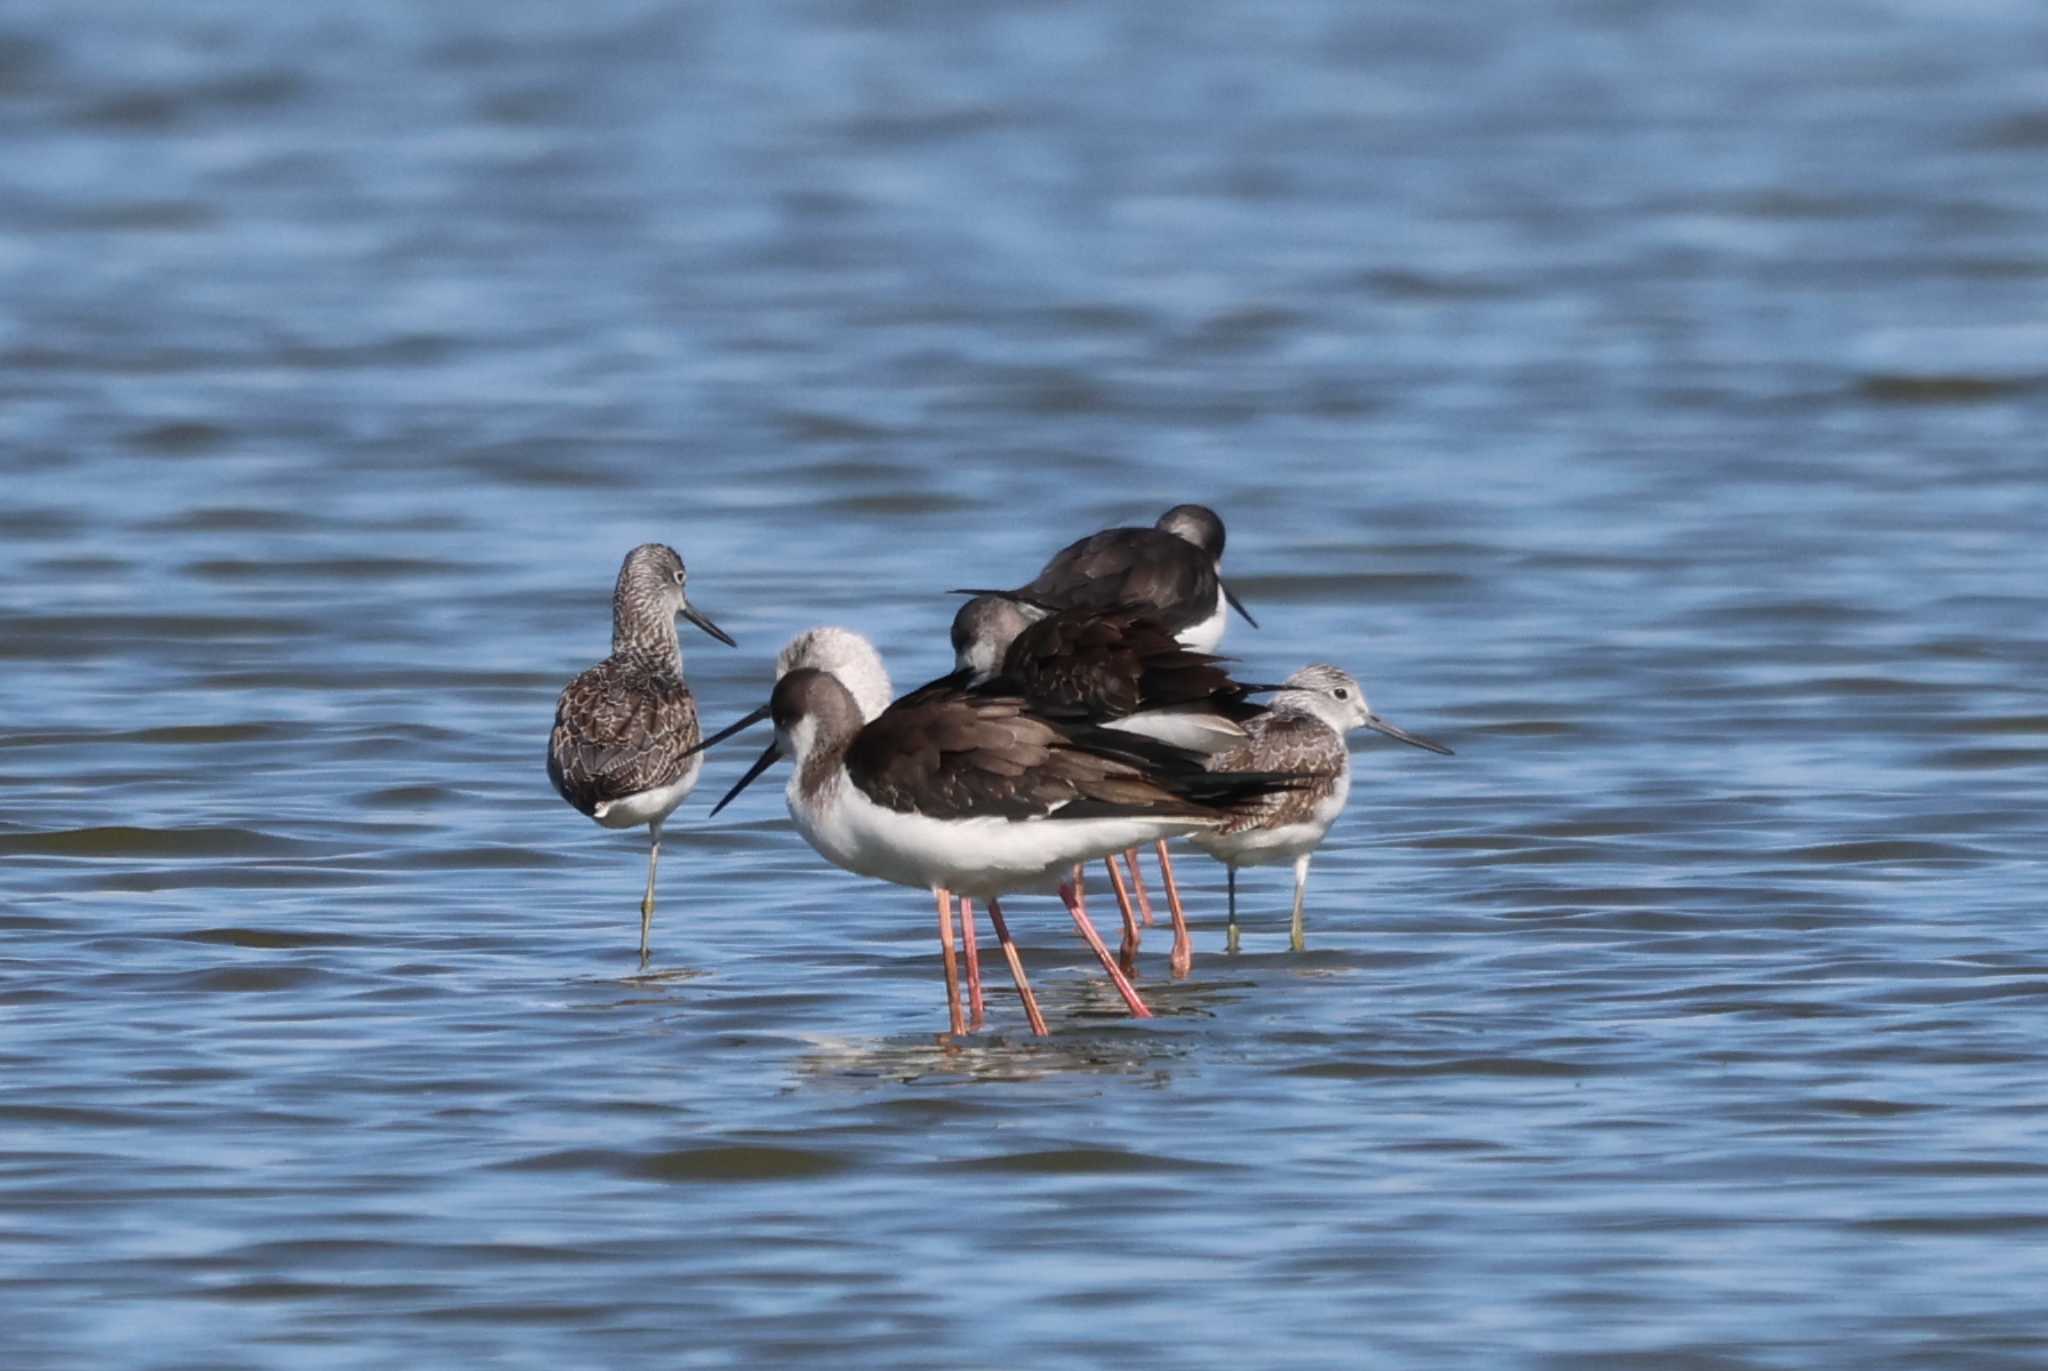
point(952, 966)
point(995, 916)
point(1127, 953)
point(1101, 950)
point(1138, 886)
point(1182, 959)
point(975, 1016)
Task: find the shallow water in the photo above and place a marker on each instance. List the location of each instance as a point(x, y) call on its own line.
point(1646, 401)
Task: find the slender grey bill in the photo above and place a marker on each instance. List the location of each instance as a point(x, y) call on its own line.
point(696, 617)
point(1379, 725)
point(1236, 603)
point(748, 722)
point(761, 764)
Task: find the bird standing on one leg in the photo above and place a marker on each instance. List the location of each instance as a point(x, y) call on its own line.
point(622, 750)
point(1301, 735)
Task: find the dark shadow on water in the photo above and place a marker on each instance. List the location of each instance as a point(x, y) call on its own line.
point(993, 1056)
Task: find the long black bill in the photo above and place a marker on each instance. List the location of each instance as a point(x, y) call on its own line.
point(761, 764)
point(1236, 603)
point(697, 618)
point(748, 722)
point(1379, 725)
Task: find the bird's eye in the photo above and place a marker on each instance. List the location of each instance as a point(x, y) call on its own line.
point(1341, 693)
point(679, 578)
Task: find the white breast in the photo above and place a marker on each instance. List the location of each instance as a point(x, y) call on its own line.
point(1208, 634)
point(979, 857)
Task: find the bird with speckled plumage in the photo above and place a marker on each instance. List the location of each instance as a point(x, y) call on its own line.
point(1301, 734)
point(623, 750)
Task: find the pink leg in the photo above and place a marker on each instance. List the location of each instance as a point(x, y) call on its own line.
point(1127, 953)
point(1138, 886)
point(952, 966)
point(975, 1016)
point(995, 916)
point(1182, 959)
point(1101, 950)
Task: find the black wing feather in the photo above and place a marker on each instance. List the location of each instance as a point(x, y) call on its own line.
point(1131, 566)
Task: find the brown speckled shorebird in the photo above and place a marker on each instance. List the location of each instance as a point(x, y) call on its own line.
point(1301, 735)
point(623, 750)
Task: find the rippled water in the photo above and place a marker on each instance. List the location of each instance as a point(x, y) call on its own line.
point(1646, 400)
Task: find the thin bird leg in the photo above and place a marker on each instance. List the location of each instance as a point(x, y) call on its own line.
point(995, 916)
point(1230, 934)
point(1182, 960)
point(1127, 953)
point(647, 900)
point(1138, 886)
point(975, 1016)
point(952, 967)
point(1101, 950)
point(1297, 932)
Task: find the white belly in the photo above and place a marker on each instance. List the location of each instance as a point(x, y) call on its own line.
point(1208, 634)
point(1270, 846)
point(977, 857)
point(1262, 846)
point(650, 806)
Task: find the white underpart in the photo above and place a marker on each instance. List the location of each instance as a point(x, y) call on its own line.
point(981, 858)
point(1207, 635)
point(846, 655)
point(1193, 728)
point(650, 806)
point(1269, 846)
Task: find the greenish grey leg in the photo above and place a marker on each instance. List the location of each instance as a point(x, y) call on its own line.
point(1297, 935)
point(1230, 933)
point(647, 900)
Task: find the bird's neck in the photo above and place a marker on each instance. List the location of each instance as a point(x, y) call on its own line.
point(820, 758)
point(647, 639)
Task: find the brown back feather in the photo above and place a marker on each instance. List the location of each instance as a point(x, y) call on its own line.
point(620, 728)
point(952, 753)
point(1285, 744)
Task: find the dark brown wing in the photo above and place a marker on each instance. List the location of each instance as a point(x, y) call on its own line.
point(951, 753)
point(618, 731)
point(1106, 664)
point(1284, 745)
point(1131, 566)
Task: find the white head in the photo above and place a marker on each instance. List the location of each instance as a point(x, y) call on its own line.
point(983, 631)
point(1334, 696)
point(846, 655)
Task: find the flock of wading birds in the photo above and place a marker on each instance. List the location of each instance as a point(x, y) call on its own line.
point(1086, 716)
